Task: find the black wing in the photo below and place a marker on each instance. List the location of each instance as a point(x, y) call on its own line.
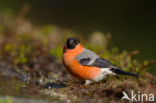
point(84, 61)
point(99, 62)
point(102, 63)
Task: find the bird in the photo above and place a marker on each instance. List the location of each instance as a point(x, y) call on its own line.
point(85, 65)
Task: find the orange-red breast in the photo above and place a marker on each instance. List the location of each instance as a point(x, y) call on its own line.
point(85, 65)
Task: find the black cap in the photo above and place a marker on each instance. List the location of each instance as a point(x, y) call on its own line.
point(72, 42)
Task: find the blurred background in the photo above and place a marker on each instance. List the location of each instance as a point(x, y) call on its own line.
point(131, 23)
point(32, 34)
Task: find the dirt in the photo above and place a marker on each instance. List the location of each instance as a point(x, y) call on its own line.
point(31, 70)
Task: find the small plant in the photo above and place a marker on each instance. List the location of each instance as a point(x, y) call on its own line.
point(6, 100)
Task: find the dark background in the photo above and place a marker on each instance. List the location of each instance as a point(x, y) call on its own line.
point(132, 23)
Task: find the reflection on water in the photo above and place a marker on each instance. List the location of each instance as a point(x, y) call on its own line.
point(14, 87)
point(55, 85)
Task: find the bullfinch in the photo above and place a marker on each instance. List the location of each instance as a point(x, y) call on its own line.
point(86, 65)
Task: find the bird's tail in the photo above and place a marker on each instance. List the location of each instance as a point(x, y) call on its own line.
point(119, 71)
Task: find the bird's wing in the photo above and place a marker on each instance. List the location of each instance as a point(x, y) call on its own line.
point(102, 63)
point(89, 58)
point(86, 57)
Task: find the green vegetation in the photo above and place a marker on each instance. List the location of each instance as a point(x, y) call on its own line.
point(32, 55)
point(6, 100)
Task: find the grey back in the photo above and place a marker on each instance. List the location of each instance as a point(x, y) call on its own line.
point(87, 57)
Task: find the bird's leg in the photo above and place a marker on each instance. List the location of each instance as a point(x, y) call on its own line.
point(88, 82)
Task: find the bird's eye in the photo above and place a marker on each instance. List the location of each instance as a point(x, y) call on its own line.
point(75, 41)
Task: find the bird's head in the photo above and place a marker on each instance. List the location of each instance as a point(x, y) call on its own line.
point(72, 42)
point(73, 45)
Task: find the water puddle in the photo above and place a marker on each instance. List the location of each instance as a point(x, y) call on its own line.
point(55, 85)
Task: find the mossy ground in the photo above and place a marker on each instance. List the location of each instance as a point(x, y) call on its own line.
point(30, 57)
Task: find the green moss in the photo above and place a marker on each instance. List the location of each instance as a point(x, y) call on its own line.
point(6, 100)
point(8, 47)
point(57, 52)
point(47, 29)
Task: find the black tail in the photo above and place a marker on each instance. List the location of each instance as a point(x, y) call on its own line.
point(119, 71)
